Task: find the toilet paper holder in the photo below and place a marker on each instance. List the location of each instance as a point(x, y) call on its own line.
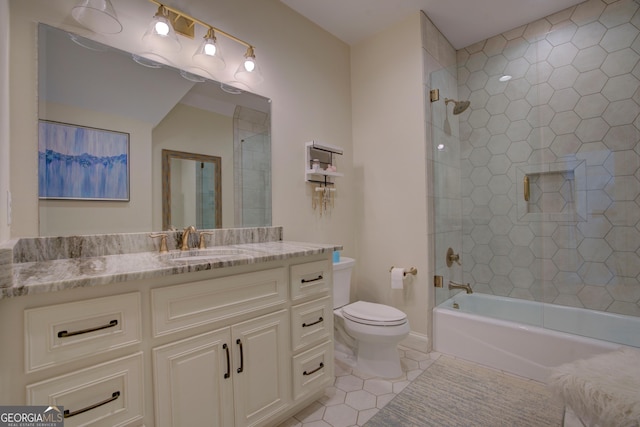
point(412, 270)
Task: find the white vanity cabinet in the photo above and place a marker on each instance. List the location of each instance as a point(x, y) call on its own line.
point(245, 345)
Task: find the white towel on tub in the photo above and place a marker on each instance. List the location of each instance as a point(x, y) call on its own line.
point(603, 390)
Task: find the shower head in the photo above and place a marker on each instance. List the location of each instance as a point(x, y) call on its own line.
point(458, 106)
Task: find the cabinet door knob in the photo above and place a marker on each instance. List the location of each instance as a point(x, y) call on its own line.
point(241, 368)
point(228, 373)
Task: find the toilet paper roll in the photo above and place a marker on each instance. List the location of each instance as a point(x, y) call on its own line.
point(397, 278)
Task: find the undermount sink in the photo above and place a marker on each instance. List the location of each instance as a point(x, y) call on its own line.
point(204, 254)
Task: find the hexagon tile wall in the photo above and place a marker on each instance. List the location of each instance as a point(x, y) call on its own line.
point(573, 97)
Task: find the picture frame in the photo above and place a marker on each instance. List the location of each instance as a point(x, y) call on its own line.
point(82, 163)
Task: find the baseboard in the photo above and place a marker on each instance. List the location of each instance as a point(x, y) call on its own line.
point(418, 342)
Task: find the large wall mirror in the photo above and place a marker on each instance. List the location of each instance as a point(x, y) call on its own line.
point(84, 83)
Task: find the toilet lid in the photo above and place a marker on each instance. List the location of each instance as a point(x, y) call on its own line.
point(370, 313)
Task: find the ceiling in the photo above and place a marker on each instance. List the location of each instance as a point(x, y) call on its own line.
point(463, 22)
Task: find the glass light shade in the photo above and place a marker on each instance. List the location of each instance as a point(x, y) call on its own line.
point(145, 62)
point(209, 55)
point(160, 36)
point(97, 15)
point(249, 71)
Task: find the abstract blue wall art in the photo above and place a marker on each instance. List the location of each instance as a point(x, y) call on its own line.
point(82, 163)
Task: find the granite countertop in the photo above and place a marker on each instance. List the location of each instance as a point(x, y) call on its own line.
point(58, 274)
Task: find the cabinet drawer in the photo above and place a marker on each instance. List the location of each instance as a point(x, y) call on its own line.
point(181, 307)
point(110, 394)
point(311, 278)
point(311, 322)
point(313, 370)
point(60, 333)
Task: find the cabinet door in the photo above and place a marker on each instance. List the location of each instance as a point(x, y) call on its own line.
point(262, 369)
point(193, 385)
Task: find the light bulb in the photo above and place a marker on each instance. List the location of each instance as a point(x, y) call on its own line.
point(249, 65)
point(162, 28)
point(210, 49)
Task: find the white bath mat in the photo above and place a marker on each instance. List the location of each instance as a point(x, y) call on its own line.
point(602, 390)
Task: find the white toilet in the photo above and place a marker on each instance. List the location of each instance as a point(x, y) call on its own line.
point(370, 331)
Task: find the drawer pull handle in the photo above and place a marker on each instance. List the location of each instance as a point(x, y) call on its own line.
point(228, 373)
point(65, 334)
point(315, 370)
point(241, 368)
point(306, 325)
point(69, 414)
point(311, 280)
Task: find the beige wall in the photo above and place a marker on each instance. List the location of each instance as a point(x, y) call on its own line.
point(389, 168)
point(307, 76)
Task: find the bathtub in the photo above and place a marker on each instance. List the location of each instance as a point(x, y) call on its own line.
point(507, 333)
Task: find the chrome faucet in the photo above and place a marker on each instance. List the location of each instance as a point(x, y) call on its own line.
point(454, 285)
point(184, 246)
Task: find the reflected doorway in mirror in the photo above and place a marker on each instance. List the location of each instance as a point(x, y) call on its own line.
point(191, 190)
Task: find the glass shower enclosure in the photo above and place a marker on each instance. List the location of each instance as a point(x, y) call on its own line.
point(537, 182)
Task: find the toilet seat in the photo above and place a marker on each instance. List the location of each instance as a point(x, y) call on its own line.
point(373, 314)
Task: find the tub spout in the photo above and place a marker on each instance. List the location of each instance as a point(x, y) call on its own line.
point(454, 285)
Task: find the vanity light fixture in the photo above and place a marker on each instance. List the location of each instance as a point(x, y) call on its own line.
point(161, 37)
point(97, 15)
point(208, 55)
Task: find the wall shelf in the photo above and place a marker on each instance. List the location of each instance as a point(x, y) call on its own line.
point(325, 154)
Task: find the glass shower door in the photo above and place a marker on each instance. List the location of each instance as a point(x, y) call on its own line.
point(447, 197)
point(549, 165)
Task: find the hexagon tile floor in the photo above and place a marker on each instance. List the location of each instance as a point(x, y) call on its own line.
point(356, 397)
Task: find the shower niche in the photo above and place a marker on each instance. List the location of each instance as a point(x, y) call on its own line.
point(552, 192)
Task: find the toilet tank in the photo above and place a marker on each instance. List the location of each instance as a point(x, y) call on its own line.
point(342, 281)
